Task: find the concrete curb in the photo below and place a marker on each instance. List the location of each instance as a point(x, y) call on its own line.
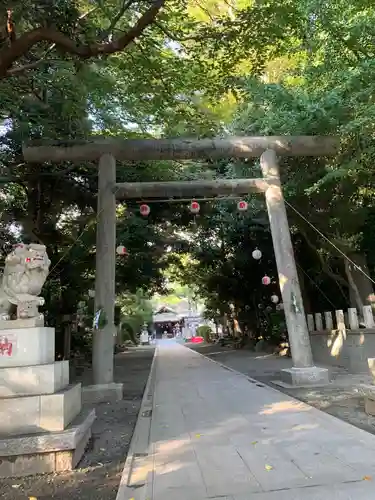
point(139, 446)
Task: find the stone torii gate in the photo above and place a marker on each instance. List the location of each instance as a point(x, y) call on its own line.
point(107, 151)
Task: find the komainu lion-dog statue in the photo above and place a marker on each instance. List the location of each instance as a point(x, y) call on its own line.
point(25, 272)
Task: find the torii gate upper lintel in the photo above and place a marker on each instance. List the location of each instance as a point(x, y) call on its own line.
point(107, 151)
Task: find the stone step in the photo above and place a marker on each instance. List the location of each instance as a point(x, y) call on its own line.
point(48, 451)
point(40, 413)
point(33, 380)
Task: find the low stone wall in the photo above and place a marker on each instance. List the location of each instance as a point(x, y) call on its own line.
point(353, 350)
point(338, 340)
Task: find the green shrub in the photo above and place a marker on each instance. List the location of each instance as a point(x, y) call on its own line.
point(130, 327)
point(205, 332)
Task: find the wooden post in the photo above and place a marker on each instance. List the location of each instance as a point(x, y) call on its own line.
point(102, 357)
point(288, 278)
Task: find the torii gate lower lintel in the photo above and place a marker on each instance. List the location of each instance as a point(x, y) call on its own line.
point(267, 148)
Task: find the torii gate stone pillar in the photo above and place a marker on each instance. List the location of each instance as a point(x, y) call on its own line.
point(104, 335)
point(304, 372)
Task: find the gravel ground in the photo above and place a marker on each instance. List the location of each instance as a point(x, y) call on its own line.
point(341, 398)
point(98, 475)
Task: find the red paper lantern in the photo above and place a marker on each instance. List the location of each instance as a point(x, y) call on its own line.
point(194, 207)
point(266, 280)
point(242, 205)
point(144, 210)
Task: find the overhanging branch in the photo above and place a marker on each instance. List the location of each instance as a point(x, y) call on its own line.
point(8, 55)
point(43, 61)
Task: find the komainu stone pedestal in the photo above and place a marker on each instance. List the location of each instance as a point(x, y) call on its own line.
point(312, 376)
point(368, 392)
point(42, 427)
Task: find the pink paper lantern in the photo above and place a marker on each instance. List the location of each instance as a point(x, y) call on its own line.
point(242, 206)
point(266, 280)
point(144, 210)
point(194, 207)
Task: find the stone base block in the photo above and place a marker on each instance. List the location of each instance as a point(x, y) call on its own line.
point(368, 391)
point(27, 346)
point(33, 414)
point(21, 323)
point(100, 393)
point(370, 405)
point(46, 452)
point(33, 380)
point(312, 376)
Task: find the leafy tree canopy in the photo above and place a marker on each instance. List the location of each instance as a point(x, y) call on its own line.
point(70, 70)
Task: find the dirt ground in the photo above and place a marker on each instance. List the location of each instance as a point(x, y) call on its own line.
point(342, 398)
point(98, 475)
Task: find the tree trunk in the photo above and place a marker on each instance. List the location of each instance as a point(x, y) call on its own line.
point(226, 325)
point(360, 287)
point(67, 336)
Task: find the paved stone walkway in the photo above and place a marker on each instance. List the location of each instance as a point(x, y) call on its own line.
point(216, 434)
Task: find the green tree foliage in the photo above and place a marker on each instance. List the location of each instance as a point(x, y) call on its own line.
point(205, 332)
point(57, 84)
point(328, 91)
point(136, 311)
point(69, 70)
point(317, 79)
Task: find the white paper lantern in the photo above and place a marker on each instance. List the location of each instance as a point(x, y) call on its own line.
point(274, 299)
point(257, 254)
point(121, 250)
